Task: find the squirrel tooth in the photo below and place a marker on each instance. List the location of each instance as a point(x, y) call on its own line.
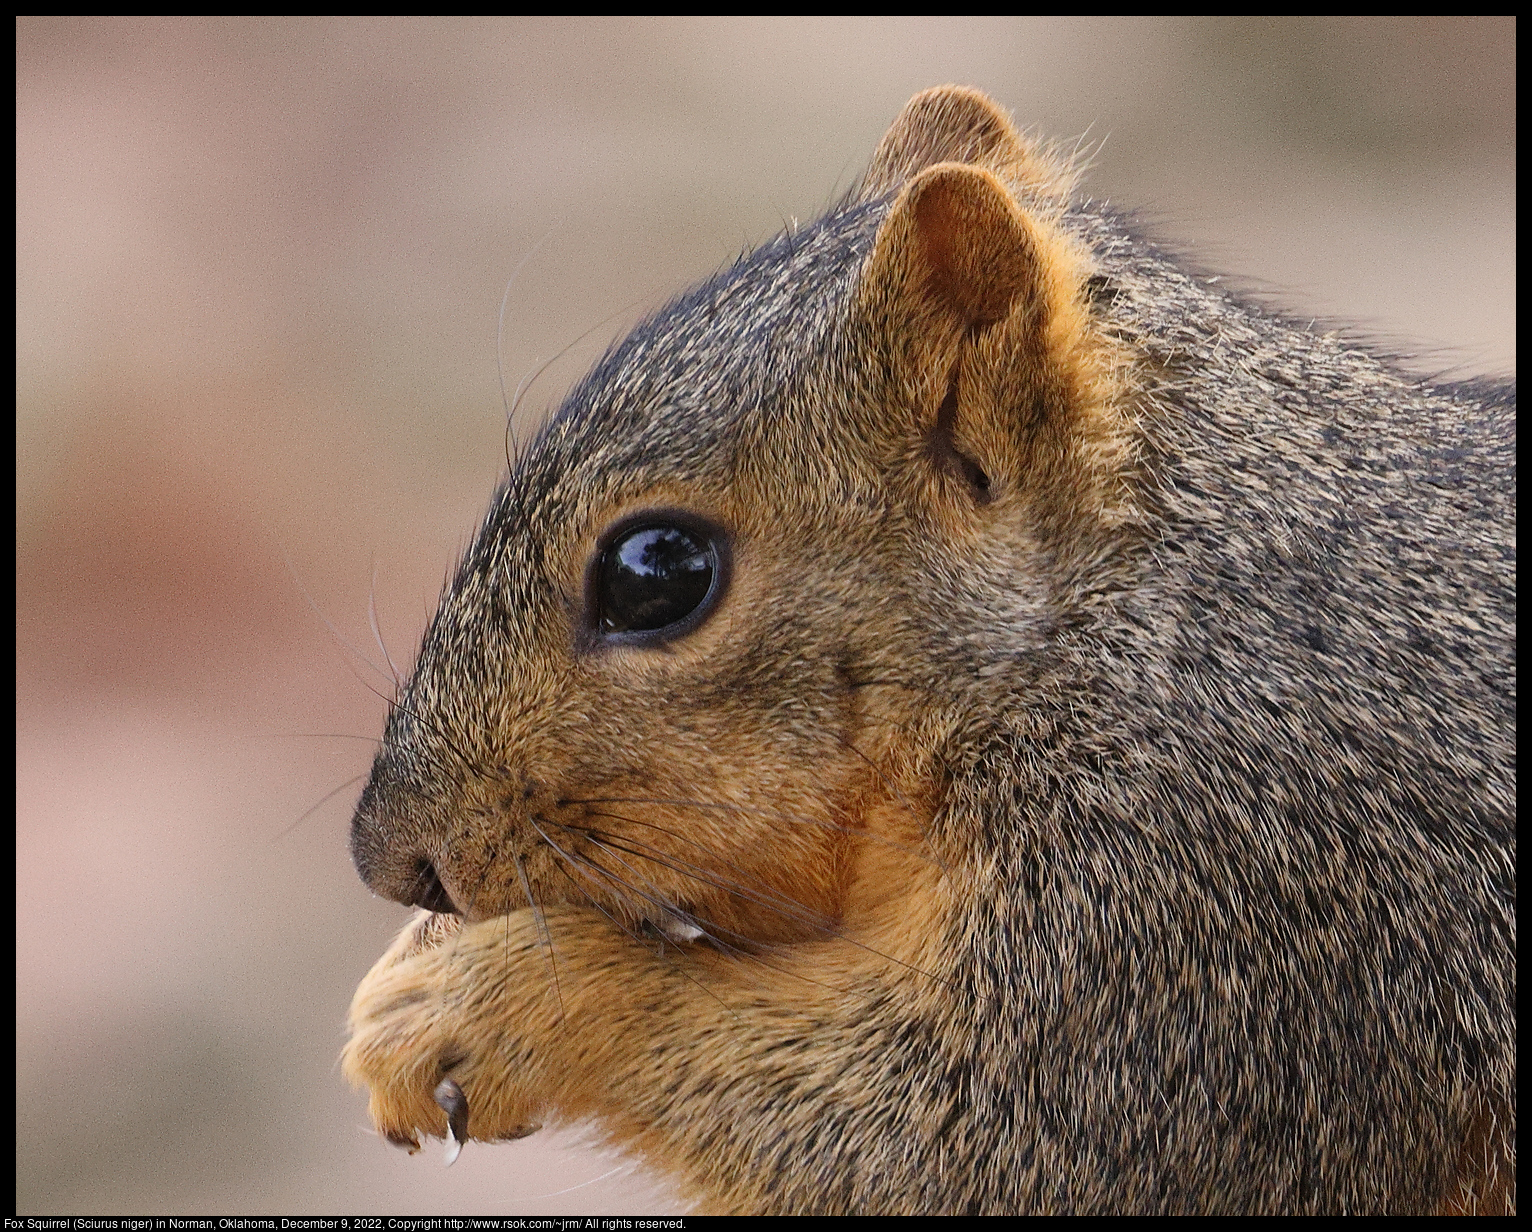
point(679, 930)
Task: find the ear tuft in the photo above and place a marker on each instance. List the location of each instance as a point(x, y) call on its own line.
point(947, 124)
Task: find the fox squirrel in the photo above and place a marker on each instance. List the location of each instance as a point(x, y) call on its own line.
point(959, 714)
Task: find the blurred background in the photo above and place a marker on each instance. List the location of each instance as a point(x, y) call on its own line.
point(260, 265)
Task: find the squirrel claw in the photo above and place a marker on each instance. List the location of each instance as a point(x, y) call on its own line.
point(454, 1103)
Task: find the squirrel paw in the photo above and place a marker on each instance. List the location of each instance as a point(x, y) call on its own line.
point(428, 1040)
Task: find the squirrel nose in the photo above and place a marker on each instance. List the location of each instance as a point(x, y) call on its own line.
point(402, 871)
point(428, 890)
point(413, 882)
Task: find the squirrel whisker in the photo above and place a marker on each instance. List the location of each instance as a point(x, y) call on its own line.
point(542, 928)
point(752, 810)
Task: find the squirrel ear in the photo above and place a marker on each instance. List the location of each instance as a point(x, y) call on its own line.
point(973, 307)
point(956, 240)
point(947, 124)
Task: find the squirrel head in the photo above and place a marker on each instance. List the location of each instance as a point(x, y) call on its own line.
point(799, 527)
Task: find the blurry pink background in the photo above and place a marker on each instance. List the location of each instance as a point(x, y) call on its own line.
point(260, 266)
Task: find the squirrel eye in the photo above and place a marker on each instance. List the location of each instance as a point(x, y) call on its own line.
point(653, 577)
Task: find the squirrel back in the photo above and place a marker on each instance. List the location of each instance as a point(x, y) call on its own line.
point(959, 713)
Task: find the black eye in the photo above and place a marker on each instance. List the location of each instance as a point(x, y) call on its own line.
point(654, 576)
